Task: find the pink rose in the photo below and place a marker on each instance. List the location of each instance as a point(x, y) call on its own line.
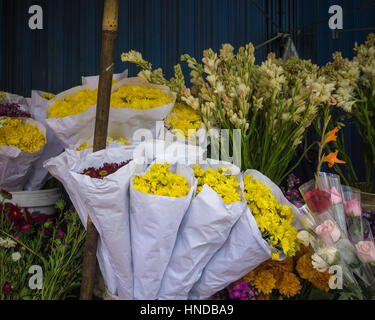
point(353, 206)
point(328, 230)
point(366, 251)
point(335, 196)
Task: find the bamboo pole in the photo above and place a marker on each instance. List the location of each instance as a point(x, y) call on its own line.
point(109, 34)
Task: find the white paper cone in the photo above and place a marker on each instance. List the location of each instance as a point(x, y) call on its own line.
point(154, 222)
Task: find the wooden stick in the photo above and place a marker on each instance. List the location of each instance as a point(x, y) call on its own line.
point(109, 34)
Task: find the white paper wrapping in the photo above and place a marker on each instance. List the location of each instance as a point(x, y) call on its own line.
point(53, 147)
point(16, 165)
point(201, 138)
point(244, 250)
point(107, 203)
point(205, 228)
point(122, 122)
point(95, 79)
point(171, 152)
point(14, 98)
point(154, 222)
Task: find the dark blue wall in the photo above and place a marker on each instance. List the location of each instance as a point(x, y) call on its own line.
point(54, 59)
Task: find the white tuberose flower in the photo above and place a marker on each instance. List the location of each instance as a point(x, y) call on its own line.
point(16, 256)
point(318, 263)
point(328, 254)
point(305, 237)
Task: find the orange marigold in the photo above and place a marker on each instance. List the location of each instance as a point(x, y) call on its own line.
point(306, 270)
point(289, 285)
point(265, 282)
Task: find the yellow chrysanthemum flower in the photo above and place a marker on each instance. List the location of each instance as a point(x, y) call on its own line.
point(16, 132)
point(184, 118)
point(72, 105)
point(47, 96)
point(274, 220)
point(225, 185)
point(139, 97)
point(84, 145)
point(158, 180)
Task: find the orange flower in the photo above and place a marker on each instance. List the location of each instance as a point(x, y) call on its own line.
point(332, 159)
point(332, 135)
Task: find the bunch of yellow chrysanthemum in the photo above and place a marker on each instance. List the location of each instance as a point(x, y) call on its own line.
point(139, 97)
point(47, 95)
point(224, 184)
point(84, 145)
point(16, 132)
point(72, 105)
point(159, 180)
point(184, 118)
point(274, 220)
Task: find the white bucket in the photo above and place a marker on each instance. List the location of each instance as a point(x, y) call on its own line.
point(43, 201)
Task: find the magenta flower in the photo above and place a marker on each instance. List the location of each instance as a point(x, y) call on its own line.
point(60, 234)
point(5, 194)
point(7, 287)
point(26, 227)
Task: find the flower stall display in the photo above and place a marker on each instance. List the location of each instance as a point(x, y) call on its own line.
point(53, 148)
point(248, 244)
point(213, 211)
point(22, 141)
point(71, 114)
point(95, 79)
point(159, 199)
point(98, 185)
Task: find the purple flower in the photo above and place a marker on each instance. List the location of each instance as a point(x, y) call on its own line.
point(7, 287)
point(60, 234)
point(13, 110)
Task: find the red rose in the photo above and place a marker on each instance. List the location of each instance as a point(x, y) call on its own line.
point(318, 200)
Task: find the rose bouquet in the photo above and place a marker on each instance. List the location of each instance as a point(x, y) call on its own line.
point(216, 207)
point(332, 249)
point(22, 141)
point(256, 237)
point(159, 199)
